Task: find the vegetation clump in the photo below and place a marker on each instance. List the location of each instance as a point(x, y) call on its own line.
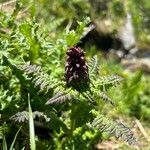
point(53, 95)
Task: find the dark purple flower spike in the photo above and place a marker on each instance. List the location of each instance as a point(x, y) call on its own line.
point(76, 69)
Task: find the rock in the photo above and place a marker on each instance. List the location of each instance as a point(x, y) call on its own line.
point(137, 63)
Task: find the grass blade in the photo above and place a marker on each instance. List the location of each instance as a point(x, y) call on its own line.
point(31, 127)
point(4, 143)
point(12, 145)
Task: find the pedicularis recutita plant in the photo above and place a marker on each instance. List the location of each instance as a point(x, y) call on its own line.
point(67, 99)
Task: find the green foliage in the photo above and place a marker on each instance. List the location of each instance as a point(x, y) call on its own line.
point(132, 92)
point(13, 142)
point(41, 80)
point(32, 57)
point(93, 69)
point(115, 128)
point(57, 14)
point(23, 116)
point(104, 83)
point(82, 139)
point(60, 98)
point(132, 97)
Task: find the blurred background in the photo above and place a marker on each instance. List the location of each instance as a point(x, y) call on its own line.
point(119, 33)
point(120, 28)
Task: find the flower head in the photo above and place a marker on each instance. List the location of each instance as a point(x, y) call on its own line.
point(76, 69)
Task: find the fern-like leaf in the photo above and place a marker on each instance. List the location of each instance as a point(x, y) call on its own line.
point(93, 66)
point(106, 82)
point(39, 78)
point(89, 98)
point(60, 98)
point(95, 94)
point(24, 116)
point(114, 128)
point(105, 98)
point(41, 115)
point(20, 116)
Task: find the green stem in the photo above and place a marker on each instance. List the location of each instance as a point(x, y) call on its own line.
point(72, 123)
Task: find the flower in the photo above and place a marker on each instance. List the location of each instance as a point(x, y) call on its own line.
point(76, 69)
